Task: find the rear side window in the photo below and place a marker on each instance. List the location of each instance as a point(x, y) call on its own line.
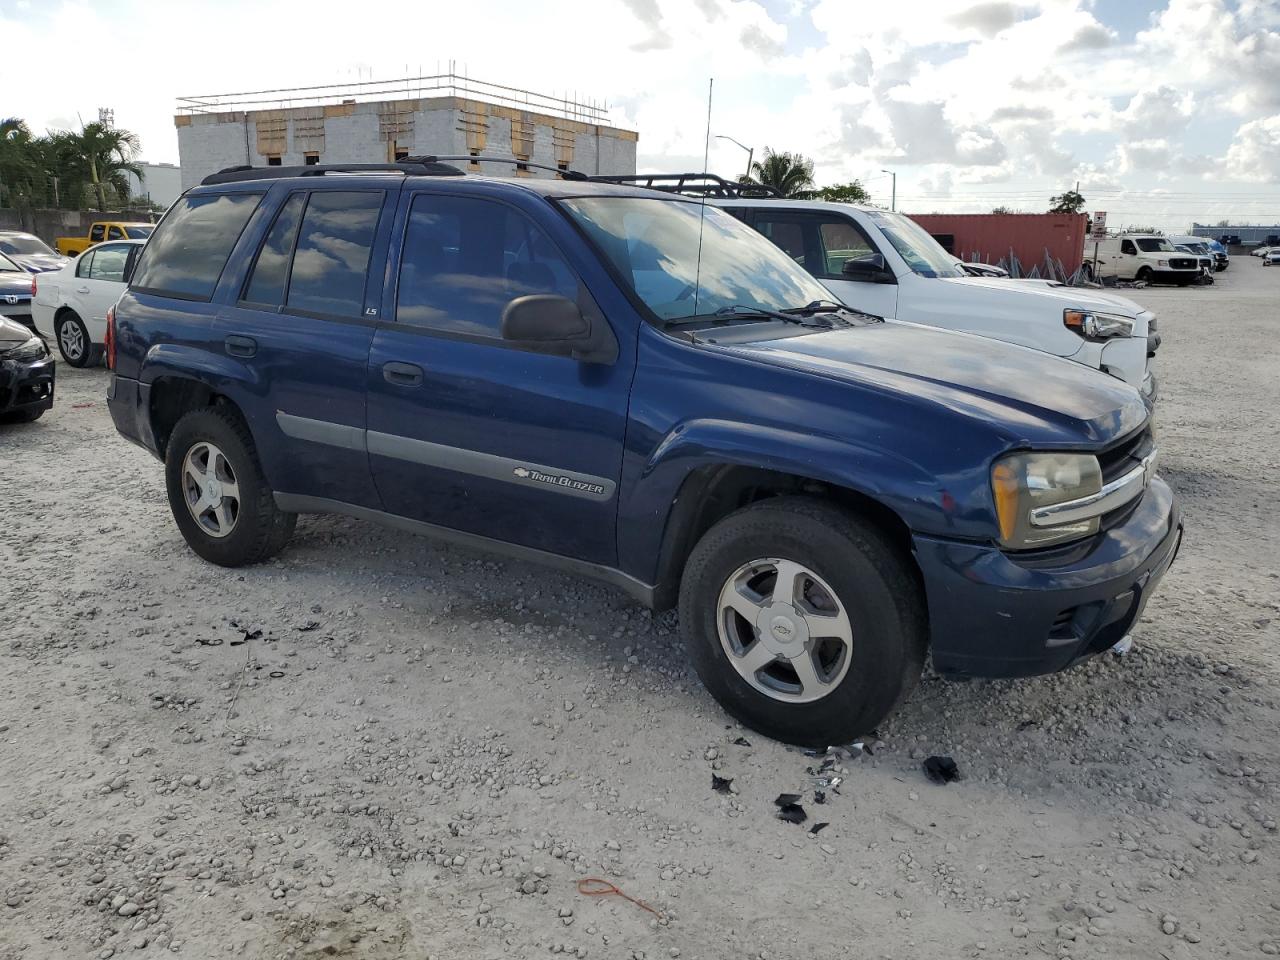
point(271, 271)
point(465, 259)
point(84, 263)
point(185, 258)
point(109, 263)
point(331, 261)
point(95, 233)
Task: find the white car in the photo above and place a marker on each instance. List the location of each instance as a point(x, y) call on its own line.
point(71, 304)
point(886, 264)
point(1271, 257)
point(1262, 251)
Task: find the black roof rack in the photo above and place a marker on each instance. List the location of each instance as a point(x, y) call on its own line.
point(469, 158)
point(694, 185)
point(413, 166)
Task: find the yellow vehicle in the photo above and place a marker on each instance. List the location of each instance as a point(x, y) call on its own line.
point(100, 231)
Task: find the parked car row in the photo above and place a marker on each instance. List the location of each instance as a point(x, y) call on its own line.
point(709, 405)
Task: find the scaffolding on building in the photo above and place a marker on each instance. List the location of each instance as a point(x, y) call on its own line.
point(450, 84)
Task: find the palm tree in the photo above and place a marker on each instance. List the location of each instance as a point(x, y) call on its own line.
point(791, 174)
point(107, 155)
point(18, 169)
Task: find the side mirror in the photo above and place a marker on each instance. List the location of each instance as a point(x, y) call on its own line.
point(871, 267)
point(546, 323)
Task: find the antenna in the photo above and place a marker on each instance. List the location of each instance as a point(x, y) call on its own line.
point(702, 211)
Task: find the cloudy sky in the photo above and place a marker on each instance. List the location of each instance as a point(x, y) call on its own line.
point(1165, 111)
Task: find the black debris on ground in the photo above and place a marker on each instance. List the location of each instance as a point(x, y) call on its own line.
point(941, 769)
point(818, 827)
point(721, 784)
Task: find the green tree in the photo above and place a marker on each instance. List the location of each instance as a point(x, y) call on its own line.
point(1003, 209)
point(19, 169)
point(791, 174)
point(1069, 201)
point(853, 192)
point(108, 155)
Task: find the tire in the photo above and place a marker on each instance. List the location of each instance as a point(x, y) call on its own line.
point(74, 343)
point(1143, 274)
point(842, 558)
point(253, 527)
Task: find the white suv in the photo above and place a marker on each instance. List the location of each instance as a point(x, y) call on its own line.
point(886, 264)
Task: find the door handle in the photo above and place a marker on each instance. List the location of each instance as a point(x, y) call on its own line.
point(405, 374)
point(238, 346)
point(82, 289)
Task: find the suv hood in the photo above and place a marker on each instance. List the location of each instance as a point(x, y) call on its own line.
point(1028, 396)
point(1049, 293)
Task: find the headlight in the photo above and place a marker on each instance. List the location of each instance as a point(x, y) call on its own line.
point(1162, 263)
point(1097, 326)
point(30, 349)
point(1022, 482)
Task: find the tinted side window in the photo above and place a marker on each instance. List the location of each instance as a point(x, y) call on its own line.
point(109, 263)
point(185, 257)
point(465, 259)
point(84, 263)
point(271, 270)
point(841, 241)
point(95, 232)
point(331, 261)
point(787, 234)
point(115, 233)
point(1128, 247)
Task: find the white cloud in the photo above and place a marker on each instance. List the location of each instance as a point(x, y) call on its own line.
point(1255, 152)
point(987, 99)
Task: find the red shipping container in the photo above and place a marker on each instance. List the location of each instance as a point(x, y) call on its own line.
point(990, 237)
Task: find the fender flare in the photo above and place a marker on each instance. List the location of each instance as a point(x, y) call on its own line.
point(877, 474)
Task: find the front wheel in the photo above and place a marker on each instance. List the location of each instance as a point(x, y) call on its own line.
point(217, 492)
point(803, 620)
point(1144, 275)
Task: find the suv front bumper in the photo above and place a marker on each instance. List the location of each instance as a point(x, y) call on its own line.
point(994, 615)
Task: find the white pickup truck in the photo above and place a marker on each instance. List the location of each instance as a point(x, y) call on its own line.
point(886, 264)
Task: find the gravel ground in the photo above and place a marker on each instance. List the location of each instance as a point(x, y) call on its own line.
point(375, 746)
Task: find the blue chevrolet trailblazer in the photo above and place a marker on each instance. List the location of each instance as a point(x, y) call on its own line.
point(634, 386)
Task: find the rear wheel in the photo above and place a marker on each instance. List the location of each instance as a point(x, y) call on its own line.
point(217, 492)
point(74, 343)
point(803, 620)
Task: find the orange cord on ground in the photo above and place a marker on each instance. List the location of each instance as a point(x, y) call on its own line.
point(595, 887)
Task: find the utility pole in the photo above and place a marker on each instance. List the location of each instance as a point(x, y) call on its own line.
point(893, 201)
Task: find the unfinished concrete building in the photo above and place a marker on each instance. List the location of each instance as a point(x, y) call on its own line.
point(382, 121)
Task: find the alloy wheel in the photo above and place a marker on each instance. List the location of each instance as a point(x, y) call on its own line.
point(210, 490)
point(784, 630)
point(72, 340)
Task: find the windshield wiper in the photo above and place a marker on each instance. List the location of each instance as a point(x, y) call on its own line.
point(827, 307)
point(789, 316)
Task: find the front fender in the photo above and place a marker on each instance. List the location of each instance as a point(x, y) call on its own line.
point(652, 515)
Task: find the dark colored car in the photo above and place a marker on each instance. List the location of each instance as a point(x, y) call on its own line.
point(625, 384)
point(26, 373)
point(30, 252)
point(16, 286)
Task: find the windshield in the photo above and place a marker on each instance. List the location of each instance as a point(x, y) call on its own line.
point(138, 233)
point(924, 255)
point(22, 245)
point(1154, 245)
point(654, 244)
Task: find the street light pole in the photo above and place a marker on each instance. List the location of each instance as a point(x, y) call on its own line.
point(893, 202)
point(751, 151)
